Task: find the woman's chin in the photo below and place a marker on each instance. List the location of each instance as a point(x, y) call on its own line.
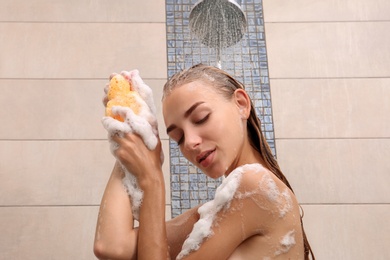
point(215, 173)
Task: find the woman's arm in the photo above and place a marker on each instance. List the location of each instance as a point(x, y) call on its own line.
point(152, 236)
point(249, 213)
point(115, 236)
point(179, 228)
point(145, 165)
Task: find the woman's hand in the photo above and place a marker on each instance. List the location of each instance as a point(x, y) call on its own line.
point(136, 145)
point(143, 163)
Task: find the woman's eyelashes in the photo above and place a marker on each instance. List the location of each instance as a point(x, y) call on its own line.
point(196, 122)
point(180, 141)
point(201, 121)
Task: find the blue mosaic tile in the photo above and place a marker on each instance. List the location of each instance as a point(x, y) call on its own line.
point(185, 195)
point(175, 195)
point(185, 204)
point(247, 61)
point(194, 203)
point(175, 204)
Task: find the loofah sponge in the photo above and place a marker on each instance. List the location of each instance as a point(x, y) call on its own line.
point(120, 93)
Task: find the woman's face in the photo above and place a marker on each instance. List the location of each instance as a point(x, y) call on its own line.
point(209, 128)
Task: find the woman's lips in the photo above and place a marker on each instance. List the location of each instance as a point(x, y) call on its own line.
point(205, 158)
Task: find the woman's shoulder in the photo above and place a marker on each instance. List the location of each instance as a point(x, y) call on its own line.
point(257, 176)
point(251, 176)
point(263, 187)
point(239, 181)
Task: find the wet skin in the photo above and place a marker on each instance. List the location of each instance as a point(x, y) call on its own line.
point(211, 133)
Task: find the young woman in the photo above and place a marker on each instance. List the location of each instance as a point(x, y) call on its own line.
point(255, 215)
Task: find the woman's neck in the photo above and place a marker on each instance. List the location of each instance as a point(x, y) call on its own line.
point(249, 155)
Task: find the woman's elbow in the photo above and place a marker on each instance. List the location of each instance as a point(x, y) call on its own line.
point(99, 250)
point(102, 251)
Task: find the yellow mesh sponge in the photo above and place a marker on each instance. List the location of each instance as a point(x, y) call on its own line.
point(120, 94)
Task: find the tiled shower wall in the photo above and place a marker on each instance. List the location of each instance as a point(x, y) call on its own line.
point(329, 71)
point(329, 76)
point(246, 61)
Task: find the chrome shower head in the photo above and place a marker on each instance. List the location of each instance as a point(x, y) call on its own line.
point(217, 23)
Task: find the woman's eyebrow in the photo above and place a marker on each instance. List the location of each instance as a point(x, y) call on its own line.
point(192, 108)
point(186, 114)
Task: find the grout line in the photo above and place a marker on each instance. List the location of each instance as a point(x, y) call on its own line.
point(106, 78)
point(52, 140)
point(81, 22)
point(53, 206)
point(97, 205)
point(311, 22)
point(315, 78)
point(334, 138)
point(61, 140)
point(345, 204)
point(47, 206)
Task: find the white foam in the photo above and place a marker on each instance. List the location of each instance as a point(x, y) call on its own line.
point(135, 193)
point(272, 191)
point(286, 243)
point(283, 199)
point(223, 196)
point(144, 124)
point(286, 205)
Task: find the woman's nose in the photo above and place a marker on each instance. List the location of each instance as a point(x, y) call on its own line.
point(192, 140)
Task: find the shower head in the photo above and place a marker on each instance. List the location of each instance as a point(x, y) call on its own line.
point(217, 23)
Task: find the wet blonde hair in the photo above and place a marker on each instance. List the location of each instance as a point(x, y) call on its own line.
point(226, 86)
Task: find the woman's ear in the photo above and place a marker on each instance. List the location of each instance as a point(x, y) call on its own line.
point(243, 102)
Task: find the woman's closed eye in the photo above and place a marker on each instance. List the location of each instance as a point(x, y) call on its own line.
point(201, 121)
point(180, 141)
point(196, 122)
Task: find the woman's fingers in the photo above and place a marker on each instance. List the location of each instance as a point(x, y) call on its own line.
point(123, 112)
point(134, 155)
point(105, 98)
point(126, 75)
point(113, 75)
point(115, 127)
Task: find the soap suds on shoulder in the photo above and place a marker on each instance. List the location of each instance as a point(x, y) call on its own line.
point(286, 243)
point(223, 197)
point(282, 199)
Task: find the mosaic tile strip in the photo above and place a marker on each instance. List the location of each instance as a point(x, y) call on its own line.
point(247, 61)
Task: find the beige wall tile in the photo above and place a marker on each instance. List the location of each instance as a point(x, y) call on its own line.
point(167, 171)
point(358, 232)
point(52, 109)
point(324, 50)
point(157, 87)
point(59, 109)
point(58, 172)
point(54, 172)
point(168, 212)
point(331, 108)
point(330, 10)
point(337, 170)
point(47, 232)
point(82, 11)
point(82, 50)
point(55, 60)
